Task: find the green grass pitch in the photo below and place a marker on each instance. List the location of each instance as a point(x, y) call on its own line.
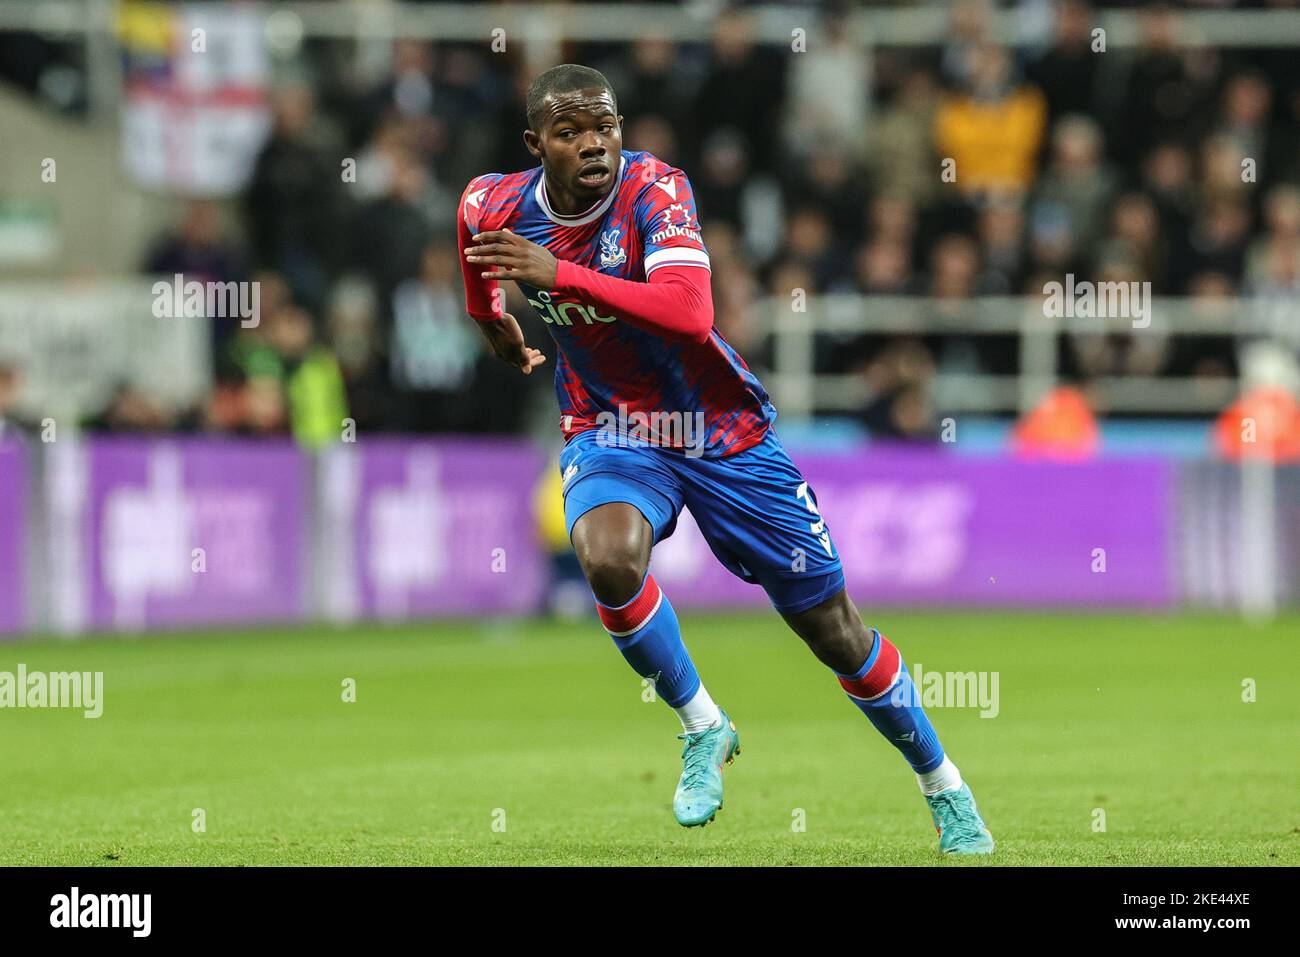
point(541, 727)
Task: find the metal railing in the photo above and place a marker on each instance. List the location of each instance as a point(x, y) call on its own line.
point(802, 389)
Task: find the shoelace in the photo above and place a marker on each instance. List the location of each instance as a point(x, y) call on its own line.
point(951, 819)
point(697, 760)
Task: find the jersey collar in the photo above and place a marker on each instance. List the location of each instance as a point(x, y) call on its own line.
point(581, 219)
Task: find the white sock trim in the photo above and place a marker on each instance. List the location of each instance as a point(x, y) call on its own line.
point(945, 777)
point(700, 713)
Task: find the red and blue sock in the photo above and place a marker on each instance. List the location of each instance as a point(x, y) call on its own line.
point(883, 691)
point(646, 631)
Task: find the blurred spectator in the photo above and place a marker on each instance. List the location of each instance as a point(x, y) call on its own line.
point(1218, 238)
point(884, 268)
point(954, 272)
point(287, 357)
point(1068, 72)
point(901, 144)
point(433, 350)
point(897, 387)
point(1001, 228)
point(1167, 178)
point(262, 408)
point(352, 328)
point(1052, 246)
point(969, 24)
point(1164, 91)
point(742, 82)
point(1062, 426)
point(1208, 358)
point(1273, 260)
point(1221, 169)
point(1135, 226)
point(1244, 121)
point(1098, 349)
point(390, 233)
point(444, 100)
point(810, 240)
point(408, 93)
point(992, 127)
point(654, 134)
point(463, 133)
point(295, 202)
point(829, 91)
point(723, 176)
point(889, 217)
point(650, 83)
point(198, 249)
point(1077, 182)
point(837, 183)
point(129, 409)
point(1276, 415)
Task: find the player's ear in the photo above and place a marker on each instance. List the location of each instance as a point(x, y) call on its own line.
point(533, 143)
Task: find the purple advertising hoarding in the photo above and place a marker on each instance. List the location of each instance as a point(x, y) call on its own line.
point(440, 527)
point(924, 528)
point(180, 532)
point(191, 531)
point(13, 535)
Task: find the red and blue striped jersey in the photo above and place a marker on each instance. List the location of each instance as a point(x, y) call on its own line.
point(609, 372)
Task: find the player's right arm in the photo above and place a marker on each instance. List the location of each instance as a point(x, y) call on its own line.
point(484, 298)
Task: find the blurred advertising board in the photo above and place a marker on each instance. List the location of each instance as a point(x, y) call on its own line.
point(175, 532)
point(918, 527)
point(420, 528)
point(151, 533)
point(14, 507)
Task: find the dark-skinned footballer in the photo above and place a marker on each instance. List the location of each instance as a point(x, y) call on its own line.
point(658, 413)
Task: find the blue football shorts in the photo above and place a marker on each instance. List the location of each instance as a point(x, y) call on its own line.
point(754, 508)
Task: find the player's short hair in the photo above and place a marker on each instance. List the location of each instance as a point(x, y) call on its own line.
point(564, 78)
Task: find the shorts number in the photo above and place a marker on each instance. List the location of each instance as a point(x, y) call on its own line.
point(818, 527)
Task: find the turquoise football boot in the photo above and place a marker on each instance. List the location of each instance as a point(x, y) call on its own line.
point(961, 829)
point(699, 792)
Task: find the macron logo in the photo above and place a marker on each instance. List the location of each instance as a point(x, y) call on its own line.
point(472, 201)
point(102, 910)
point(668, 185)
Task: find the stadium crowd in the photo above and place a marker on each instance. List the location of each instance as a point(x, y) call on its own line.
point(820, 171)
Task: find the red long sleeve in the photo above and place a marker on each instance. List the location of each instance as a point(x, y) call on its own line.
point(676, 301)
point(483, 297)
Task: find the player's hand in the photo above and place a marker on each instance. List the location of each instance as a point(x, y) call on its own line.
point(507, 341)
point(515, 258)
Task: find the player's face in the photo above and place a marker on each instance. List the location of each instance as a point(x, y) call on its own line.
point(580, 141)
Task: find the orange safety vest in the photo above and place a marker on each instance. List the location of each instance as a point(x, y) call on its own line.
point(1061, 427)
point(1264, 423)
